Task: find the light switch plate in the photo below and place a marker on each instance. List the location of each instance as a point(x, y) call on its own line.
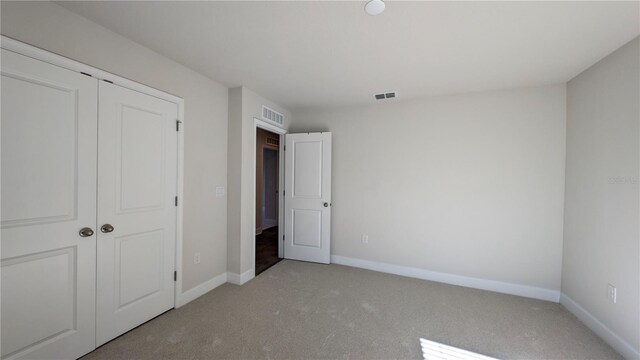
point(219, 191)
point(612, 293)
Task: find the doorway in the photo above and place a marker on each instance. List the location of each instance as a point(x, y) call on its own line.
point(267, 199)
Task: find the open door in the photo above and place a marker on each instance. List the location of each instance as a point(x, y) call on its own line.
point(307, 219)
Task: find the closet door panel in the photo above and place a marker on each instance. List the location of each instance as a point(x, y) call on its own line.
point(136, 190)
point(49, 133)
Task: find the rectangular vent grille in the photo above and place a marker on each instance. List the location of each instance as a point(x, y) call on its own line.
point(273, 141)
point(382, 96)
point(271, 115)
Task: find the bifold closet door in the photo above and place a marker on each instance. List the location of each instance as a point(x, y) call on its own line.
point(137, 168)
point(49, 120)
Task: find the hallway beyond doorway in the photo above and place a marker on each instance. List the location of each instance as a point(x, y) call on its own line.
point(266, 249)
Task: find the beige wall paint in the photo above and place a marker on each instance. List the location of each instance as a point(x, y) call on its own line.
point(244, 106)
point(51, 27)
point(601, 235)
point(234, 179)
point(470, 185)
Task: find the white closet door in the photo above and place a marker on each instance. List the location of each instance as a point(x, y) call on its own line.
point(137, 167)
point(308, 197)
point(49, 119)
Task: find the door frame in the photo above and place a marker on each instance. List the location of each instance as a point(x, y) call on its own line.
point(257, 123)
point(19, 47)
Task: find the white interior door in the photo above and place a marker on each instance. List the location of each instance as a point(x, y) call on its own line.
point(307, 204)
point(49, 120)
point(137, 168)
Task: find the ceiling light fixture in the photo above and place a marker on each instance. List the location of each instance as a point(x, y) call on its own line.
point(374, 7)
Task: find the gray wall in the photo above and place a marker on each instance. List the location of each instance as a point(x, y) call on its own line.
point(469, 185)
point(244, 106)
point(51, 27)
point(601, 237)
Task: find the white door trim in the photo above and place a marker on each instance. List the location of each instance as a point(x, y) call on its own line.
point(61, 61)
point(257, 123)
point(179, 294)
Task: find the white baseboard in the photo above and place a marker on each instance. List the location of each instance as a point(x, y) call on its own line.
point(239, 279)
point(491, 285)
point(201, 289)
point(611, 338)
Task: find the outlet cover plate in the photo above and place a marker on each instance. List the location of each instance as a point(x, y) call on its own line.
point(612, 293)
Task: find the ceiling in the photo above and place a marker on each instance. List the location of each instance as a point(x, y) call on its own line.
point(325, 54)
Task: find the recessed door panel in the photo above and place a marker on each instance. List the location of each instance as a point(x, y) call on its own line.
point(137, 169)
point(307, 169)
point(23, 279)
point(308, 197)
point(141, 159)
point(50, 125)
point(49, 131)
point(140, 264)
point(307, 227)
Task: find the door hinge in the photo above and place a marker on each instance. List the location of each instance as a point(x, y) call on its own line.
point(285, 148)
point(175, 276)
point(107, 81)
point(283, 237)
point(84, 73)
point(284, 192)
point(178, 122)
point(176, 201)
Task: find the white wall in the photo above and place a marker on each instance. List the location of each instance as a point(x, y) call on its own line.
point(244, 106)
point(234, 179)
point(601, 236)
point(51, 27)
point(471, 185)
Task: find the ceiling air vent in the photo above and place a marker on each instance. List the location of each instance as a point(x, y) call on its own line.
point(271, 115)
point(382, 96)
point(273, 141)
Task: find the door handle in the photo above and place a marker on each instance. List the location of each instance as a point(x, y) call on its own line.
point(86, 232)
point(326, 204)
point(106, 228)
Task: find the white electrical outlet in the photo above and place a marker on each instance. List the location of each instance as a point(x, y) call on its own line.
point(365, 238)
point(612, 293)
point(196, 258)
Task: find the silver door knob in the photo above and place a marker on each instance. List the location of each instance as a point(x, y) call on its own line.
point(326, 204)
point(106, 228)
point(86, 232)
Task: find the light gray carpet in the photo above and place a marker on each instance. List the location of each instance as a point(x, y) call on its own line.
point(297, 310)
